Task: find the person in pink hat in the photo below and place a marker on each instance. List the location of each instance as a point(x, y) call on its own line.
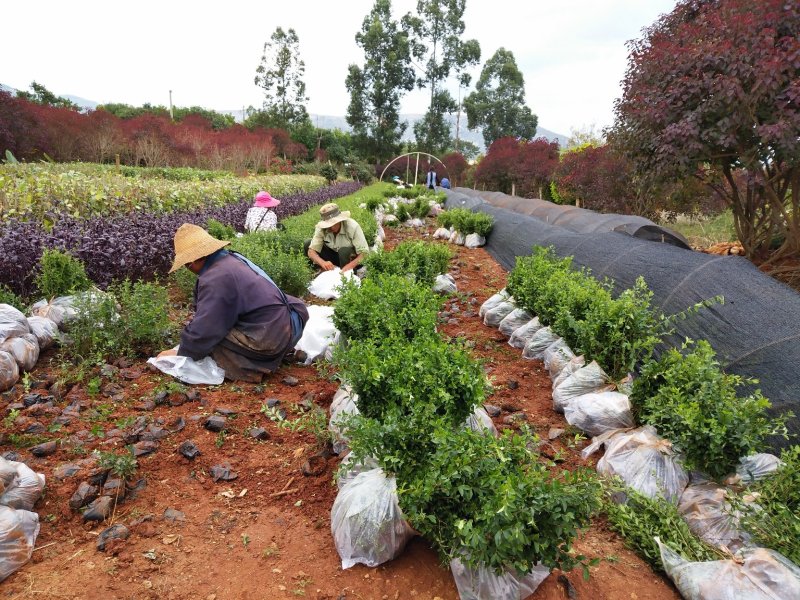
point(260, 217)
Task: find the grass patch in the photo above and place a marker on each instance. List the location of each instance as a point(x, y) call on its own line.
point(703, 231)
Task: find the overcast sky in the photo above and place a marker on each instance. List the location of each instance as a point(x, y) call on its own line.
point(571, 52)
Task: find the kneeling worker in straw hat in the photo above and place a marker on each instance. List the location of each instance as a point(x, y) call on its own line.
point(242, 319)
point(338, 240)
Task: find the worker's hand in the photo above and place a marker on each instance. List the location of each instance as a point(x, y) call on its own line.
point(347, 267)
point(170, 352)
point(327, 265)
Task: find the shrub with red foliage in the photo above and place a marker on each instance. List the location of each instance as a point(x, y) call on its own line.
point(597, 178)
point(496, 170)
point(536, 162)
point(18, 130)
point(456, 167)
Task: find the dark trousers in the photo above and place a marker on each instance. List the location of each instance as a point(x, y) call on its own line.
point(338, 257)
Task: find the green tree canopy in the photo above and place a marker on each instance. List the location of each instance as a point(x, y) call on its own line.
point(41, 95)
point(280, 74)
point(498, 102)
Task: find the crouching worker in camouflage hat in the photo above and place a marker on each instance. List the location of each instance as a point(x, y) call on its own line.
point(242, 319)
point(338, 240)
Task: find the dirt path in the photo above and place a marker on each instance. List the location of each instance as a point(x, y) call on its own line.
point(248, 538)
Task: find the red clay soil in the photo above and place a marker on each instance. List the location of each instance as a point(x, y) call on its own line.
point(266, 534)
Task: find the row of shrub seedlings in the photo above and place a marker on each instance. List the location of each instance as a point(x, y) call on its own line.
point(706, 468)
point(424, 456)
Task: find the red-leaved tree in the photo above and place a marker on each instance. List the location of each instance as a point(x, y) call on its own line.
point(496, 170)
point(456, 167)
point(536, 162)
point(713, 89)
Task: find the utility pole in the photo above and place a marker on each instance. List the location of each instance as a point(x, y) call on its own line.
point(171, 116)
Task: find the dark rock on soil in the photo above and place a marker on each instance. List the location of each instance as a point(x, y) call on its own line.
point(147, 405)
point(144, 448)
point(314, 466)
point(65, 471)
point(215, 423)
point(290, 381)
point(35, 398)
point(554, 433)
point(516, 418)
point(85, 494)
point(272, 402)
point(116, 533)
point(492, 410)
point(512, 384)
point(161, 398)
point(62, 420)
point(131, 373)
point(45, 449)
point(11, 455)
point(172, 515)
point(35, 428)
point(189, 449)
point(259, 433)
point(98, 476)
point(177, 424)
point(99, 510)
point(307, 403)
point(114, 488)
point(225, 411)
point(222, 473)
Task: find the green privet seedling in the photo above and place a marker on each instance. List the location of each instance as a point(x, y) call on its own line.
point(122, 465)
point(60, 274)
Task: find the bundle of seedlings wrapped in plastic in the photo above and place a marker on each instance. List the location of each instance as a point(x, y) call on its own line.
point(20, 488)
point(466, 228)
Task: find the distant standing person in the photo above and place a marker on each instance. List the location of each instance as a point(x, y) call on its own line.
point(338, 240)
point(260, 217)
point(431, 180)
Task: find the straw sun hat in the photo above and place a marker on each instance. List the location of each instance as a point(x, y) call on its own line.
point(193, 242)
point(330, 215)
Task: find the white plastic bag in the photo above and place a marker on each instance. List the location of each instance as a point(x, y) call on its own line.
point(326, 284)
point(501, 296)
point(25, 490)
point(441, 234)
point(538, 343)
point(60, 310)
point(706, 509)
point(9, 371)
point(757, 466)
point(445, 284)
point(493, 317)
point(366, 521)
point(481, 422)
point(319, 332)
point(644, 460)
point(557, 356)
point(596, 414)
point(12, 323)
point(188, 370)
point(484, 584)
point(414, 223)
point(45, 330)
point(514, 320)
point(522, 335)
point(571, 367)
point(760, 574)
point(24, 349)
point(473, 240)
point(344, 403)
point(457, 238)
point(586, 380)
point(349, 469)
point(18, 532)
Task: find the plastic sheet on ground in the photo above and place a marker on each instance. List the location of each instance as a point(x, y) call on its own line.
point(366, 521)
point(24, 349)
point(706, 509)
point(25, 489)
point(344, 403)
point(188, 370)
point(9, 371)
point(590, 379)
point(414, 223)
point(485, 584)
point(349, 469)
point(326, 284)
point(571, 367)
point(12, 323)
point(539, 342)
point(473, 240)
point(493, 317)
point(45, 330)
point(441, 234)
point(522, 335)
point(501, 296)
point(481, 422)
point(644, 460)
point(557, 356)
point(457, 238)
point(18, 532)
point(445, 284)
point(60, 310)
point(514, 320)
point(756, 466)
point(319, 332)
point(757, 574)
point(596, 414)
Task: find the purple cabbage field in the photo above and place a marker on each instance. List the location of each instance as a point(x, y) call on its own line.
point(137, 245)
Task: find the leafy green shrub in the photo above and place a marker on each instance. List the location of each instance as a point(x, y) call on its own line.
point(641, 519)
point(7, 296)
point(423, 261)
point(328, 171)
point(373, 203)
point(567, 297)
point(425, 377)
point(445, 219)
point(360, 172)
point(420, 209)
point(776, 523)
point(530, 275)
point(220, 230)
point(467, 222)
point(694, 404)
point(384, 306)
point(60, 274)
point(290, 270)
point(402, 213)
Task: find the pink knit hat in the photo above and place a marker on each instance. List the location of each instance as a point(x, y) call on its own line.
point(264, 200)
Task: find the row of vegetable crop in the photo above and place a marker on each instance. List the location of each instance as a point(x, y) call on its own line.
point(133, 246)
point(44, 192)
point(490, 502)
